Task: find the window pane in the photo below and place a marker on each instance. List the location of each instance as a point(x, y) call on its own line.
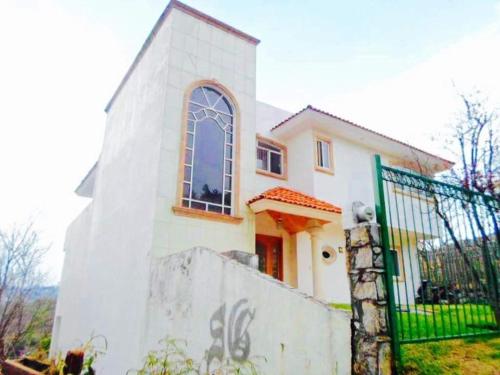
point(212, 95)
point(229, 167)
point(223, 106)
point(188, 157)
point(262, 159)
point(191, 126)
point(208, 162)
point(227, 210)
point(229, 152)
point(187, 173)
point(189, 141)
point(275, 163)
point(226, 119)
point(325, 152)
point(194, 108)
point(198, 97)
point(319, 154)
point(213, 208)
point(198, 205)
point(185, 203)
point(185, 192)
point(227, 198)
point(228, 183)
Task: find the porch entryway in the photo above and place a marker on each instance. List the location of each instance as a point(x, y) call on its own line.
point(288, 222)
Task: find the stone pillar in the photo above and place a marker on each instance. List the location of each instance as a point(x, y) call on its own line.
point(371, 350)
point(314, 228)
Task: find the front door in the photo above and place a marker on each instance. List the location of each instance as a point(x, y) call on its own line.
point(270, 252)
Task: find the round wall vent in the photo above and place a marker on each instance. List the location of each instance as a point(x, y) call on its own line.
point(328, 254)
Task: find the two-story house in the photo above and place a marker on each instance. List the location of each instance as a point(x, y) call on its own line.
point(191, 158)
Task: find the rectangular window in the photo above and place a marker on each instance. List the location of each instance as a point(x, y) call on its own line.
point(270, 157)
point(324, 155)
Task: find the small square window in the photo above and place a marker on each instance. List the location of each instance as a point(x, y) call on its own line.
point(270, 157)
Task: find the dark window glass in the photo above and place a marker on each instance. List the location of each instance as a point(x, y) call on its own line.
point(208, 166)
point(213, 208)
point(227, 198)
point(198, 205)
point(275, 163)
point(260, 250)
point(395, 259)
point(208, 162)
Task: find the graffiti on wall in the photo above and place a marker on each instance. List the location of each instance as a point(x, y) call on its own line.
point(231, 338)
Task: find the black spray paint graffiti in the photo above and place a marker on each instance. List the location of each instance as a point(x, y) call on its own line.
point(234, 334)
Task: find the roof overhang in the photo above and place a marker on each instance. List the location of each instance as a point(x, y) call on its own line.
point(312, 118)
point(262, 205)
point(86, 186)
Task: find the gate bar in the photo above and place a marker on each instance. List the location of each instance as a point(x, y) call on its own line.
point(389, 266)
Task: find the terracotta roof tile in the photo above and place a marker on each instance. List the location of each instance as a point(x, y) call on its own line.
point(286, 195)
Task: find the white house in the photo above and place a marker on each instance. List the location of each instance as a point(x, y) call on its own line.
point(191, 158)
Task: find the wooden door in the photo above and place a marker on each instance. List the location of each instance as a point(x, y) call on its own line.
point(270, 252)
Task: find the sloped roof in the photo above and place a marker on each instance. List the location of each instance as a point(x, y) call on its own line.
point(286, 195)
point(311, 108)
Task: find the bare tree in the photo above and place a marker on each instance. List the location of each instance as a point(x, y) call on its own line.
point(21, 255)
point(475, 140)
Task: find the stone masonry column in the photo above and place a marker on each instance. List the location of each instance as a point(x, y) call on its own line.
point(314, 228)
point(370, 340)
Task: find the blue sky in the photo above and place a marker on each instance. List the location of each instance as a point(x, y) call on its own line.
point(343, 44)
point(388, 65)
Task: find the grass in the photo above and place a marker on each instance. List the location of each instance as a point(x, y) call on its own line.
point(472, 356)
point(444, 320)
point(469, 356)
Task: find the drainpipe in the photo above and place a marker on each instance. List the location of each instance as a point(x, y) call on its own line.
point(314, 228)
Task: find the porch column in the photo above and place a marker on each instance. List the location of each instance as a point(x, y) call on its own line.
point(314, 228)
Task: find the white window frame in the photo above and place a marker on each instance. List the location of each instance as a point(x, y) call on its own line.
point(318, 155)
point(282, 153)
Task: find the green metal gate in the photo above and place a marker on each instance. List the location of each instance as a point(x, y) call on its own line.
point(442, 251)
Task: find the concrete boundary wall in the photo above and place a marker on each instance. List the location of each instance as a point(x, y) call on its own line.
point(224, 309)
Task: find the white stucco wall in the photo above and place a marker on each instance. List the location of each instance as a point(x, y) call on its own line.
point(200, 51)
point(295, 334)
point(111, 246)
point(111, 291)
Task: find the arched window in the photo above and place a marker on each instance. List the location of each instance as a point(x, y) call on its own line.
point(209, 153)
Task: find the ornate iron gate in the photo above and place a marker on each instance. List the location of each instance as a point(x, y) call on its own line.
point(442, 252)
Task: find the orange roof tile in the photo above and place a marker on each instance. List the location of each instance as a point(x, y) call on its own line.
point(287, 195)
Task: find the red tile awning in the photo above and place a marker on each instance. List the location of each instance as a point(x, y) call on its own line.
point(286, 195)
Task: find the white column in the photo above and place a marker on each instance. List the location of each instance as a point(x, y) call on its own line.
point(314, 228)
